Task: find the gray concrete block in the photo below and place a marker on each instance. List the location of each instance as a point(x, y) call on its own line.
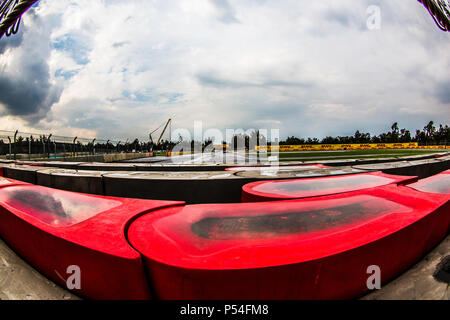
point(21, 173)
point(63, 164)
point(192, 187)
point(43, 178)
point(168, 167)
point(98, 166)
point(287, 173)
point(72, 180)
point(421, 168)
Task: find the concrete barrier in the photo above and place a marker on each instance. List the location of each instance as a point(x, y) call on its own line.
point(286, 173)
point(169, 167)
point(419, 168)
point(21, 172)
point(83, 181)
point(191, 187)
point(62, 164)
point(109, 157)
point(98, 166)
point(347, 162)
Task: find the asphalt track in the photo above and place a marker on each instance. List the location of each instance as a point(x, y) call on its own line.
point(233, 157)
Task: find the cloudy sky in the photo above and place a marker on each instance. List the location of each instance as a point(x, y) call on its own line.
point(118, 69)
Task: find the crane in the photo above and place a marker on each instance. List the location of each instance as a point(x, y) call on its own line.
point(162, 133)
point(164, 130)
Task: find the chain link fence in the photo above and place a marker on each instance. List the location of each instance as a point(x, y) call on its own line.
point(26, 145)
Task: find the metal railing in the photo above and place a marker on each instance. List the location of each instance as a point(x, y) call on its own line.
point(18, 144)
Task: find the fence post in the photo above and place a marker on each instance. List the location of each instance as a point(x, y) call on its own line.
point(48, 145)
point(73, 146)
point(9, 138)
point(15, 151)
point(29, 148)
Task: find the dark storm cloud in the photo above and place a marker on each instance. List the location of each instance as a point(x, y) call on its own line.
point(25, 87)
point(30, 97)
point(10, 42)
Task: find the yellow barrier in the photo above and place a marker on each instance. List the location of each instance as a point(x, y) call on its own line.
point(357, 146)
point(178, 153)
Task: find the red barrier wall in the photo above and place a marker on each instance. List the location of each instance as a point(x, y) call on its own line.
point(55, 229)
point(296, 249)
point(313, 187)
point(439, 183)
point(5, 182)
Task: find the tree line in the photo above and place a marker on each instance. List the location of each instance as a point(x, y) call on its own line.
point(429, 135)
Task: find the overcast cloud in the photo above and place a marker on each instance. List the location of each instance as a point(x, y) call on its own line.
point(118, 69)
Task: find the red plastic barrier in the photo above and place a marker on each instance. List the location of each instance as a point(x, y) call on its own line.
point(55, 229)
point(5, 182)
point(317, 248)
point(313, 187)
point(277, 168)
point(439, 183)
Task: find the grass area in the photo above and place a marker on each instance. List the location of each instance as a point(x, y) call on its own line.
point(353, 154)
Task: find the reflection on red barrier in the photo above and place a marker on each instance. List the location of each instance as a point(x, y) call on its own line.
point(277, 168)
point(55, 230)
point(439, 183)
point(5, 182)
point(316, 248)
point(321, 186)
